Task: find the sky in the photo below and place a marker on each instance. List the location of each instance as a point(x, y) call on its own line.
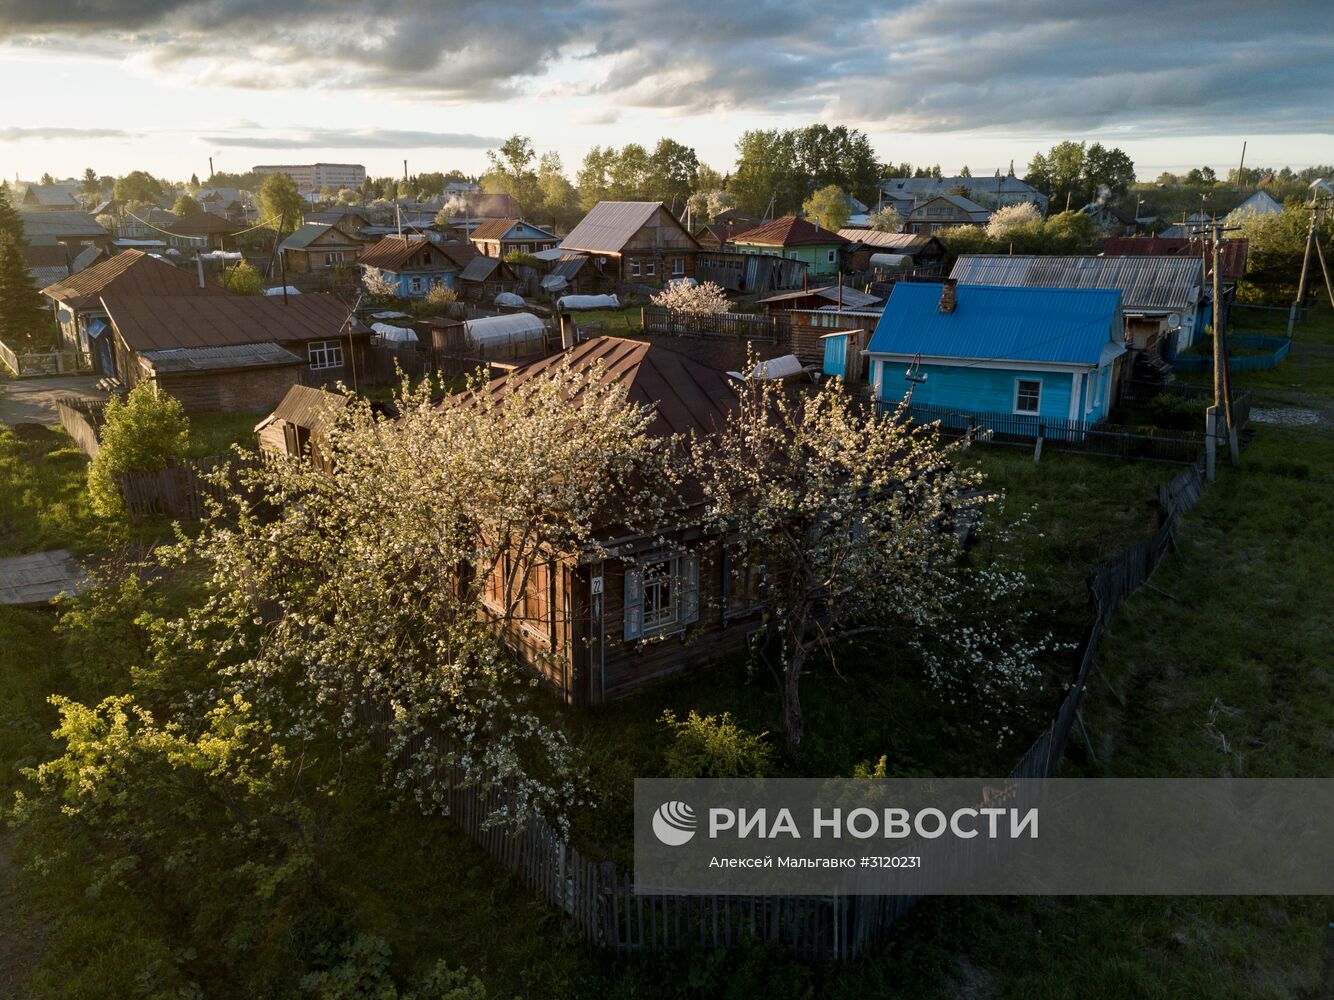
point(162, 85)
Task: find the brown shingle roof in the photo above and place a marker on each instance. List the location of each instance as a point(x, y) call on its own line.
point(1234, 251)
point(156, 323)
point(790, 231)
point(684, 394)
point(130, 272)
point(493, 229)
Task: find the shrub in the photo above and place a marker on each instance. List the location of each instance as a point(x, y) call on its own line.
point(703, 298)
point(1178, 413)
point(710, 747)
point(242, 280)
point(441, 295)
point(144, 432)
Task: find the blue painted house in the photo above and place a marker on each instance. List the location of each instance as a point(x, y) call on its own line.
point(1032, 354)
point(417, 264)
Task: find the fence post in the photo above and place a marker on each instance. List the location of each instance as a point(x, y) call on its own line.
point(1037, 445)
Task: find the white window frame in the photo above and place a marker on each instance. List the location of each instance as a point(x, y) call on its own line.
point(832, 258)
point(678, 267)
point(666, 580)
point(324, 354)
point(1037, 408)
point(650, 268)
point(333, 257)
point(415, 283)
point(634, 267)
point(674, 572)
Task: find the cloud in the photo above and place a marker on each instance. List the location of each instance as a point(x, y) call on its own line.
point(53, 134)
point(1056, 66)
point(353, 139)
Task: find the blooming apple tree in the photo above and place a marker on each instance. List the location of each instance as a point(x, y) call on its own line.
point(705, 298)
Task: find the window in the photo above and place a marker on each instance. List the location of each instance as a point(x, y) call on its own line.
point(832, 257)
point(330, 259)
point(415, 284)
point(678, 266)
point(634, 268)
point(535, 606)
point(661, 595)
point(650, 268)
point(743, 577)
point(325, 354)
point(1027, 396)
point(523, 248)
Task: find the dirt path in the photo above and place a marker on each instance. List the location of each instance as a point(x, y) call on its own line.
point(33, 400)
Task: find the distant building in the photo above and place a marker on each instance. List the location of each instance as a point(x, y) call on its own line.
point(944, 211)
point(416, 264)
point(50, 197)
point(497, 237)
point(638, 241)
point(51, 227)
point(315, 247)
point(905, 193)
point(314, 176)
point(1259, 204)
point(796, 239)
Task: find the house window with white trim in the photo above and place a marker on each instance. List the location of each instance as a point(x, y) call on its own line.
point(650, 268)
point(678, 267)
point(832, 257)
point(634, 268)
point(661, 595)
point(334, 258)
point(1028, 396)
point(415, 284)
point(325, 354)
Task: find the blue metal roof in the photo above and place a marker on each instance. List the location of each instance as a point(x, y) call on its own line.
point(1058, 325)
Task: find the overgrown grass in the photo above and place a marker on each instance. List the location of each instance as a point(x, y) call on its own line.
point(215, 433)
point(623, 322)
point(43, 503)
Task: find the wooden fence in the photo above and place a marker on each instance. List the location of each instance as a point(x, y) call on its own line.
point(181, 490)
point(1147, 443)
point(600, 901)
point(29, 364)
point(82, 420)
point(748, 326)
point(1273, 351)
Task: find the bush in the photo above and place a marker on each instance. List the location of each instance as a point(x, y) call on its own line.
point(440, 295)
point(242, 280)
point(144, 432)
point(1177, 413)
point(710, 747)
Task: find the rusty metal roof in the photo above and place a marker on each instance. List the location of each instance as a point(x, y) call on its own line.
point(130, 272)
point(789, 231)
point(156, 323)
point(311, 408)
point(1234, 251)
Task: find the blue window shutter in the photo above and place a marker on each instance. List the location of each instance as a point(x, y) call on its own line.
point(690, 588)
point(634, 604)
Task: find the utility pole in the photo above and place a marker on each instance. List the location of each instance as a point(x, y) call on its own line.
point(1320, 255)
point(1306, 263)
point(1222, 384)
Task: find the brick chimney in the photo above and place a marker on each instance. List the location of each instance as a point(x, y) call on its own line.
point(947, 295)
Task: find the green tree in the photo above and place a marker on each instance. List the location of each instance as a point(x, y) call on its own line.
point(886, 219)
point(594, 176)
point(144, 432)
point(242, 280)
point(560, 201)
point(631, 173)
point(91, 186)
point(281, 202)
point(24, 317)
point(512, 172)
point(1075, 173)
point(673, 169)
point(138, 185)
point(964, 171)
point(47, 179)
point(194, 182)
point(827, 207)
point(765, 174)
point(185, 206)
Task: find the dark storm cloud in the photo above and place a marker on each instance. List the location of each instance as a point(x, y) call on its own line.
point(1175, 66)
point(358, 139)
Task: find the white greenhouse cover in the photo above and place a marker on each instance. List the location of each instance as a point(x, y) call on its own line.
point(290, 290)
point(510, 299)
point(569, 302)
point(394, 334)
point(219, 254)
point(554, 283)
point(389, 315)
point(774, 369)
point(890, 259)
point(507, 336)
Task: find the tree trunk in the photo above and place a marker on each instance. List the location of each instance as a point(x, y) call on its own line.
point(794, 723)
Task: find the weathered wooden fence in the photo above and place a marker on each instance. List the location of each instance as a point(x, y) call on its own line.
point(1148, 443)
point(601, 904)
point(82, 420)
point(28, 364)
point(183, 489)
point(749, 326)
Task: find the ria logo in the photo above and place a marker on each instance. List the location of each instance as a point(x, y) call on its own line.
point(674, 823)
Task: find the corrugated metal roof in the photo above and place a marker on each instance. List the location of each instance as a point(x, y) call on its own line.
point(154, 323)
point(130, 272)
point(1234, 251)
point(393, 252)
point(306, 233)
point(480, 268)
point(314, 409)
point(202, 359)
point(610, 225)
point(493, 229)
point(1157, 283)
point(39, 224)
point(1058, 325)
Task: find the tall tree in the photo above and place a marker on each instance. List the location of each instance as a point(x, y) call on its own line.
point(91, 187)
point(47, 179)
point(560, 201)
point(138, 185)
point(186, 205)
point(765, 174)
point(280, 201)
point(512, 172)
point(594, 176)
point(673, 170)
point(827, 207)
point(23, 313)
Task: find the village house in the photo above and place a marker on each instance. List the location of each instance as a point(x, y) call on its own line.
point(203, 232)
point(483, 277)
point(314, 248)
point(350, 220)
point(796, 239)
point(416, 264)
point(1108, 218)
point(234, 353)
point(77, 300)
point(922, 251)
point(724, 228)
point(497, 237)
point(635, 241)
point(944, 211)
point(465, 211)
point(50, 198)
point(906, 193)
point(1036, 354)
point(1161, 297)
point(1258, 205)
point(49, 264)
point(597, 629)
point(1235, 253)
point(299, 425)
point(229, 202)
point(60, 228)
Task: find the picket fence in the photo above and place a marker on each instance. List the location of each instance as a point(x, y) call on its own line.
point(599, 900)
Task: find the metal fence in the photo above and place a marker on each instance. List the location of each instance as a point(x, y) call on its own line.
point(1273, 350)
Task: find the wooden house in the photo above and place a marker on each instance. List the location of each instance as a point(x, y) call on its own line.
point(416, 264)
point(299, 424)
point(944, 211)
point(51, 228)
point(314, 248)
point(1235, 252)
point(600, 628)
point(485, 277)
point(926, 252)
point(234, 353)
point(635, 241)
point(203, 232)
point(50, 198)
point(1033, 354)
point(77, 299)
point(497, 237)
point(796, 239)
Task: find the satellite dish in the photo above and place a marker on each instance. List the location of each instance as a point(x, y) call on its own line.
point(1174, 321)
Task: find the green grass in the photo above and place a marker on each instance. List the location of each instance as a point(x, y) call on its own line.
point(1305, 378)
point(42, 500)
point(215, 433)
point(623, 322)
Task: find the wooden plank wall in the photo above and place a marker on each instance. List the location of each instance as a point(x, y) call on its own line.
point(81, 420)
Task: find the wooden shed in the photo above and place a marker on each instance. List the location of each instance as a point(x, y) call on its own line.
point(299, 424)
